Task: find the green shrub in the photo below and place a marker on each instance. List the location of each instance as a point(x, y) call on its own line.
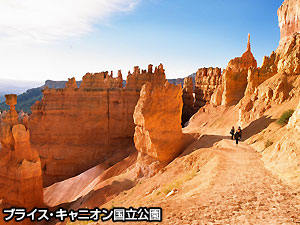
point(268, 143)
point(284, 119)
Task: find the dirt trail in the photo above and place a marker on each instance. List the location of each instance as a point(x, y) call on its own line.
point(242, 192)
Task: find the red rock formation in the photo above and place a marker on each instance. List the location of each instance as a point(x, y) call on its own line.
point(289, 57)
point(157, 115)
point(284, 156)
point(188, 100)
point(207, 81)
point(272, 92)
point(71, 84)
point(235, 77)
point(137, 79)
point(257, 76)
point(20, 166)
point(76, 129)
point(294, 121)
point(288, 16)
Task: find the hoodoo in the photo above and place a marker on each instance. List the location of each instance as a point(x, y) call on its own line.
point(157, 116)
point(20, 166)
point(235, 76)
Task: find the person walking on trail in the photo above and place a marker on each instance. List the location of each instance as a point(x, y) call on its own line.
point(239, 131)
point(236, 137)
point(232, 133)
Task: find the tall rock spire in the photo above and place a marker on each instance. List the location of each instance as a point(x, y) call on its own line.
point(248, 44)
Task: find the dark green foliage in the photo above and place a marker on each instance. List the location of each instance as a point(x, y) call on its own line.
point(284, 119)
point(268, 143)
point(2, 98)
point(26, 100)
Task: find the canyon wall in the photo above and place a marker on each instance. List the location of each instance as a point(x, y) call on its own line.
point(20, 166)
point(283, 159)
point(288, 16)
point(207, 80)
point(288, 58)
point(74, 129)
point(158, 134)
point(189, 108)
point(273, 92)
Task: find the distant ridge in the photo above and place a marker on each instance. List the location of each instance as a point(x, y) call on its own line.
point(28, 98)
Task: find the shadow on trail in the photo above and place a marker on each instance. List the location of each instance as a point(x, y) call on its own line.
point(256, 127)
point(205, 141)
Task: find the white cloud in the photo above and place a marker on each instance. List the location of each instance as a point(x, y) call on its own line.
point(48, 20)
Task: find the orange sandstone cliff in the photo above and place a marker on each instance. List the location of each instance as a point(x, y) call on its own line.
point(207, 81)
point(235, 76)
point(20, 166)
point(74, 129)
point(288, 16)
point(158, 134)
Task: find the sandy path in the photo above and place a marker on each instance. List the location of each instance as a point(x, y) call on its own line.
point(243, 192)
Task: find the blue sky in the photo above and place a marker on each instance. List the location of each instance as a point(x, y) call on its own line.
point(57, 39)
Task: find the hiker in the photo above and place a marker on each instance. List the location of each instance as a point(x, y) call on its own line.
point(232, 132)
point(239, 131)
point(236, 137)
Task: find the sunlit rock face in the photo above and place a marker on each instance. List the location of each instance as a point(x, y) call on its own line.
point(74, 129)
point(158, 133)
point(284, 157)
point(207, 81)
point(235, 77)
point(288, 52)
point(20, 166)
point(289, 57)
point(270, 93)
point(288, 17)
point(157, 117)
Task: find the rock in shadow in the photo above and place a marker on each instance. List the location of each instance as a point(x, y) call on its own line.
point(256, 127)
point(205, 141)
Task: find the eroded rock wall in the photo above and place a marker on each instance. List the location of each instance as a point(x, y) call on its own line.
point(288, 17)
point(283, 159)
point(20, 166)
point(207, 81)
point(158, 133)
point(271, 93)
point(74, 129)
point(189, 108)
